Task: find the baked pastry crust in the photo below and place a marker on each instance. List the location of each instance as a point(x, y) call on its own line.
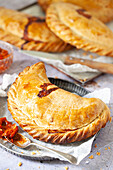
point(77, 27)
point(57, 46)
point(101, 9)
point(29, 33)
point(51, 114)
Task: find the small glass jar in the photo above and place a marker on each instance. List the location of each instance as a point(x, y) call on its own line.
point(5, 63)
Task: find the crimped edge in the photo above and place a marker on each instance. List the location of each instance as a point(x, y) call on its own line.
point(42, 134)
point(55, 46)
point(44, 4)
point(53, 22)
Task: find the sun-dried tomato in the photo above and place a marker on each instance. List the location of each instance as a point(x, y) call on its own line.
point(7, 129)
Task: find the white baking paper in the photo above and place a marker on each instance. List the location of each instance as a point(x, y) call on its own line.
point(78, 149)
point(7, 81)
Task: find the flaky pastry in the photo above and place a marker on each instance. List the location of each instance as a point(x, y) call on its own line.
point(76, 26)
point(51, 114)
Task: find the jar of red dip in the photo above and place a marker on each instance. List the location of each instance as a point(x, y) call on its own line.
point(6, 56)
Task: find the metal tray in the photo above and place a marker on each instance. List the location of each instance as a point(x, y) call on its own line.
point(69, 86)
point(74, 88)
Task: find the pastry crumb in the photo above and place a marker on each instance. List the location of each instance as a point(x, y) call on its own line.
point(7, 169)
point(91, 56)
point(95, 145)
point(87, 162)
point(38, 152)
point(91, 157)
point(33, 153)
point(98, 153)
point(85, 79)
point(39, 167)
point(84, 53)
point(105, 148)
point(66, 168)
point(56, 77)
point(94, 56)
point(22, 152)
point(20, 164)
point(109, 148)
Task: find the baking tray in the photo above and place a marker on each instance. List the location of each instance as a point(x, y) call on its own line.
point(27, 153)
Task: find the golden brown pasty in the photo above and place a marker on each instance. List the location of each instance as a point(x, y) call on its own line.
point(51, 114)
point(101, 9)
point(58, 46)
point(76, 26)
point(28, 32)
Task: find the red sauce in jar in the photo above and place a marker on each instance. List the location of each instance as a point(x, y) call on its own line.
point(3, 54)
point(6, 59)
point(7, 129)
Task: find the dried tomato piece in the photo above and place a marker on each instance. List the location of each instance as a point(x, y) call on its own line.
point(1, 57)
point(7, 129)
point(3, 53)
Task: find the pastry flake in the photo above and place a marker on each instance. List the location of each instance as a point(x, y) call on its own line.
point(79, 28)
point(58, 116)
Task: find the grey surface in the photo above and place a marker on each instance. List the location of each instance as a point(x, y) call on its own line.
point(106, 136)
point(16, 4)
point(104, 161)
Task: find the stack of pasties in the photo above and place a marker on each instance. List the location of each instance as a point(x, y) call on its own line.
point(66, 25)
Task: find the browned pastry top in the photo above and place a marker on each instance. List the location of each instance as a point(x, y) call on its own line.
point(33, 30)
point(25, 26)
point(79, 28)
point(50, 113)
point(101, 9)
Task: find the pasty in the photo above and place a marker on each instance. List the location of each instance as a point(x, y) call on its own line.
point(51, 114)
point(101, 9)
point(28, 32)
point(77, 27)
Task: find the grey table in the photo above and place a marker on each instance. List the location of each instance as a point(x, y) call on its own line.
point(104, 140)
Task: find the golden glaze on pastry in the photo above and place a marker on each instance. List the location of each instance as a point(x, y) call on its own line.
point(58, 46)
point(51, 114)
point(101, 9)
point(32, 33)
point(76, 26)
